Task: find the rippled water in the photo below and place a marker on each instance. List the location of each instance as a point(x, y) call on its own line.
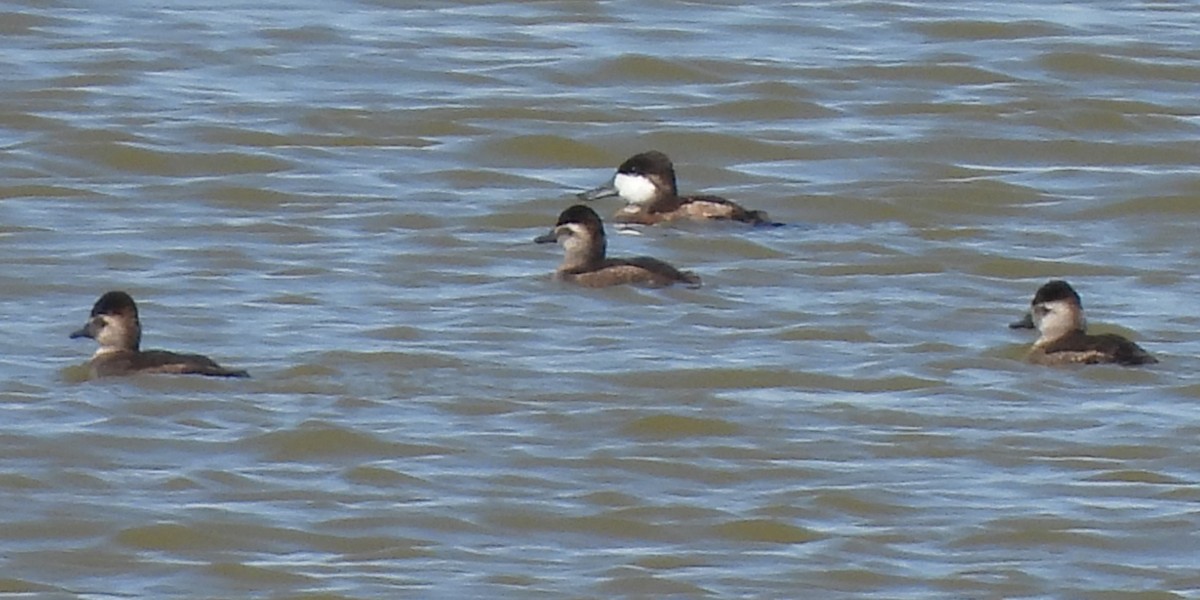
point(341, 197)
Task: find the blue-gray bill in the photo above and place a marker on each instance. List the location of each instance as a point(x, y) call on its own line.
point(604, 191)
point(1026, 322)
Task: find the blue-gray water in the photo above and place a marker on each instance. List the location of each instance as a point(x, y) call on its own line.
point(341, 196)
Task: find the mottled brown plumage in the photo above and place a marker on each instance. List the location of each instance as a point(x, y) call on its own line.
point(114, 324)
point(1057, 313)
point(581, 233)
point(647, 183)
point(1079, 347)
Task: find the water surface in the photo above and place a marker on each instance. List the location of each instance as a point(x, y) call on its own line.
point(341, 198)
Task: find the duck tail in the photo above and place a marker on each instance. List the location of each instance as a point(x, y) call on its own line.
point(759, 218)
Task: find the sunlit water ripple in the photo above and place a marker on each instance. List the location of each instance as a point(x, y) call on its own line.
point(341, 198)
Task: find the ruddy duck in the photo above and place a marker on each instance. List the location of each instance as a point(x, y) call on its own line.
point(646, 182)
point(114, 325)
point(1057, 313)
point(581, 234)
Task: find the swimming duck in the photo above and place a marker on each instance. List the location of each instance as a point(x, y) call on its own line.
point(115, 326)
point(581, 234)
point(646, 182)
point(1057, 313)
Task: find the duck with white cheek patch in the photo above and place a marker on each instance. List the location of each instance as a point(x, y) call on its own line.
point(115, 326)
point(581, 234)
point(646, 182)
point(1057, 313)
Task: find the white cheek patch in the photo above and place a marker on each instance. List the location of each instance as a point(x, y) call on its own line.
point(1037, 312)
point(571, 235)
point(1056, 316)
point(635, 189)
point(108, 334)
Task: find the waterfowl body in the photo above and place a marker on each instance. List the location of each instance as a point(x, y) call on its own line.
point(1057, 313)
point(581, 234)
point(646, 182)
point(115, 326)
